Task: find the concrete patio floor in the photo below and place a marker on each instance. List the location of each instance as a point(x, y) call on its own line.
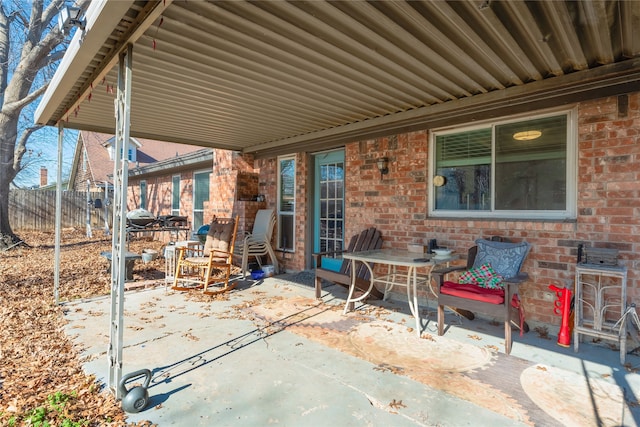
point(269, 353)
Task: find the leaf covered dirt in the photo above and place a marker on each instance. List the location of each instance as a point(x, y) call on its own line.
point(41, 377)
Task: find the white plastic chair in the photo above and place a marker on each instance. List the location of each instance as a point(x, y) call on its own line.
point(258, 243)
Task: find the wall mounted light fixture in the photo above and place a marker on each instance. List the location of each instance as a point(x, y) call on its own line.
point(383, 166)
point(70, 17)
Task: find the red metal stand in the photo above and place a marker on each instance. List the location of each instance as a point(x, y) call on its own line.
point(562, 307)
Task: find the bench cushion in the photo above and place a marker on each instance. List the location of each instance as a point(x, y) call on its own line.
point(473, 292)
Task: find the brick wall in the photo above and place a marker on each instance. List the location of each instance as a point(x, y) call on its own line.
point(395, 203)
point(268, 186)
point(159, 193)
point(233, 177)
point(247, 185)
point(608, 202)
point(186, 196)
point(222, 187)
point(297, 262)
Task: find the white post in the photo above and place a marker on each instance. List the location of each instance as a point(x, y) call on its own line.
point(56, 258)
point(118, 242)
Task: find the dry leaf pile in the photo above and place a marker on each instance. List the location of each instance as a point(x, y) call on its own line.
point(41, 378)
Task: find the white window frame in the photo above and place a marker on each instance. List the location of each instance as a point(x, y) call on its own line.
point(132, 153)
point(193, 198)
point(286, 213)
point(571, 170)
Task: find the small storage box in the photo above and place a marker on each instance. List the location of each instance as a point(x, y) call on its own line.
point(600, 256)
point(416, 248)
point(269, 270)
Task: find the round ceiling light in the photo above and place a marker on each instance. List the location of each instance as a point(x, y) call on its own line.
point(527, 135)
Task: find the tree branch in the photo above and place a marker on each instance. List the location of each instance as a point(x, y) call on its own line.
point(51, 12)
point(21, 147)
point(21, 103)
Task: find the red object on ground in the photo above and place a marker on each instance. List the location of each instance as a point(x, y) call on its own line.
point(563, 308)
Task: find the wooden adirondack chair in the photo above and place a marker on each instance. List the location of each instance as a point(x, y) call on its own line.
point(369, 239)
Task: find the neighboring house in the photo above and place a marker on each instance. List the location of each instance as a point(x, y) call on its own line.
point(93, 162)
point(200, 185)
point(93, 159)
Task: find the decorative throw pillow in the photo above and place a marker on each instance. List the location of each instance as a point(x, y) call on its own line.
point(505, 258)
point(483, 276)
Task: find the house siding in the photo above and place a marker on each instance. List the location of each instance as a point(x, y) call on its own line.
point(83, 175)
point(159, 194)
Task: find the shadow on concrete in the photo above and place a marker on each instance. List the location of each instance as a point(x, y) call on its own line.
point(168, 373)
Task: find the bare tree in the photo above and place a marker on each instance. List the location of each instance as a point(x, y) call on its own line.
point(30, 45)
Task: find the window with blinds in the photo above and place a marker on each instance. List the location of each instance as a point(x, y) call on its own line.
point(506, 168)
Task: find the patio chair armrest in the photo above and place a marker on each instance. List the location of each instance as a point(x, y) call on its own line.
point(438, 274)
point(217, 253)
point(254, 238)
point(317, 256)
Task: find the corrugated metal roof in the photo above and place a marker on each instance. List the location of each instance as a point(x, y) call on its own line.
point(275, 76)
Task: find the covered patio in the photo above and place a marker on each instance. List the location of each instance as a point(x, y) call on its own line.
point(270, 353)
point(271, 78)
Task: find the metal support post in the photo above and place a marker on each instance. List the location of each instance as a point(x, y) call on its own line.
point(56, 258)
point(118, 249)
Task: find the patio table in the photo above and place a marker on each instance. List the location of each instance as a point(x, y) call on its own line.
point(130, 259)
point(394, 258)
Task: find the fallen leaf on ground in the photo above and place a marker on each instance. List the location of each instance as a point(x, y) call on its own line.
point(32, 324)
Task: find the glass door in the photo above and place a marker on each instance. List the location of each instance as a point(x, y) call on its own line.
point(329, 206)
